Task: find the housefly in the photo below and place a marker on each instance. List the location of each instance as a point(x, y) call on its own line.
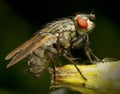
point(55, 39)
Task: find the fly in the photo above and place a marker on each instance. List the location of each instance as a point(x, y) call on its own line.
point(56, 38)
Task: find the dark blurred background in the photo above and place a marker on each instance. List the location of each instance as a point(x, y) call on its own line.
point(20, 19)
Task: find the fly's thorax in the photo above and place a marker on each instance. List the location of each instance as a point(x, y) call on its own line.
point(64, 28)
point(61, 25)
point(65, 38)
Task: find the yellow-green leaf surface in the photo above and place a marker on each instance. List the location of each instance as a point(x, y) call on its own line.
point(102, 78)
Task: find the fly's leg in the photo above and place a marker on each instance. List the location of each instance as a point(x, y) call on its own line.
point(79, 71)
point(55, 61)
point(54, 71)
point(74, 63)
point(97, 59)
point(89, 53)
point(51, 53)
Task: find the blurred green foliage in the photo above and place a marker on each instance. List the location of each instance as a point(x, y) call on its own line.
point(14, 30)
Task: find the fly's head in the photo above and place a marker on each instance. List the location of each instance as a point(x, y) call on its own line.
point(83, 23)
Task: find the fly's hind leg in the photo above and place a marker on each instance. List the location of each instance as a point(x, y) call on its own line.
point(54, 71)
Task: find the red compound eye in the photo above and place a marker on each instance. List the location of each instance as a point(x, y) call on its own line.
point(82, 23)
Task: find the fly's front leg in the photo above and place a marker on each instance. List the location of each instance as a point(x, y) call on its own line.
point(89, 53)
point(74, 63)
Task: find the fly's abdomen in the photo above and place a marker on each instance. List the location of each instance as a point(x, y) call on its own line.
point(38, 62)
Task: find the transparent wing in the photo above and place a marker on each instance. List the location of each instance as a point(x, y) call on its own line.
point(21, 47)
point(26, 48)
